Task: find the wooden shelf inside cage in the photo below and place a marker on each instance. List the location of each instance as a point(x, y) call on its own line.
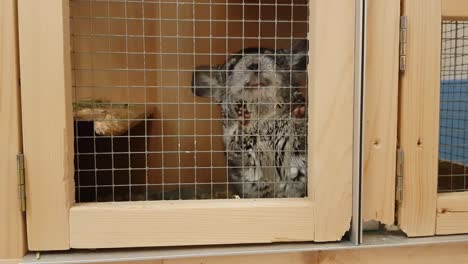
point(110, 118)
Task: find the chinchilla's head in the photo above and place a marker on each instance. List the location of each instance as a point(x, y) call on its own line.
point(253, 74)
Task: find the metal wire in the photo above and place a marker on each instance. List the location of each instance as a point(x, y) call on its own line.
point(453, 146)
point(132, 63)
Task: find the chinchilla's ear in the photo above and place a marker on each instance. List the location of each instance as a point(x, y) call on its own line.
point(299, 60)
point(300, 46)
point(206, 82)
point(299, 51)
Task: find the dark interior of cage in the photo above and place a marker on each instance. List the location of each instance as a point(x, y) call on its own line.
point(453, 140)
point(140, 133)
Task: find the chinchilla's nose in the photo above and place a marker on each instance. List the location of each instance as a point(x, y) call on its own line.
point(257, 81)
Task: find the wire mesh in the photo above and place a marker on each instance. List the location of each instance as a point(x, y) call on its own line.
point(453, 146)
point(141, 130)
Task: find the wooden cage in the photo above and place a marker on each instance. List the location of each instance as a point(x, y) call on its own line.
point(413, 108)
point(440, 213)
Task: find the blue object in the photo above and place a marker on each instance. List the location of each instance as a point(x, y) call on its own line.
point(453, 144)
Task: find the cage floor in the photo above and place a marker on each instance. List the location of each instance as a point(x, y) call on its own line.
point(150, 193)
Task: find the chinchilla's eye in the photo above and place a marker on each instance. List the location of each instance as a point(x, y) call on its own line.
point(253, 66)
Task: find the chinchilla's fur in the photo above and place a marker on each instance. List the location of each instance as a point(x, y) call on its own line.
point(266, 153)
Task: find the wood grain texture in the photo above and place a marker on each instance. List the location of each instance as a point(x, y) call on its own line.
point(433, 254)
point(292, 258)
point(10, 261)
point(450, 223)
point(381, 110)
point(204, 222)
point(430, 254)
point(47, 121)
point(452, 213)
point(330, 111)
point(454, 9)
point(135, 262)
point(12, 225)
point(419, 117)
point(452, 202)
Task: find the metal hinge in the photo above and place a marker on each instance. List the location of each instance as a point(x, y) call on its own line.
point(21, 181)
point(403, 29)
point(399, 175)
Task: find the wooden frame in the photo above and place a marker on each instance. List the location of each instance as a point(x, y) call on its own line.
point(423, 211)
point(47, 121)
point(454, 9)
point(12, 224)
point(381, 109)
point(419, 117)
point(431, 254)
point(54, 223)
point(452, 213)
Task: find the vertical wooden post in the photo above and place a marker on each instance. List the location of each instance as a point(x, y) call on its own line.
point(12, 227)
point(47, 120)
point(381, 110)
point(331, 96)
point(419, 117)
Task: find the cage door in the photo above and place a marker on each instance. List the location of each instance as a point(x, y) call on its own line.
point(57, 57)
point(433, 126)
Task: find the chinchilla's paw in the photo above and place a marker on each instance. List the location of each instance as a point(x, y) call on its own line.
point(299, 112)
point(244, 115)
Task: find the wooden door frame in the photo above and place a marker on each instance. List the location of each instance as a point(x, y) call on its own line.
point(12, 220)
point(423, 211)
point(380, 110)
point(56, 223)
point(452, 208)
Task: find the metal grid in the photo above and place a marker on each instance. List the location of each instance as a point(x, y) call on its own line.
point(142, 134)
point(453, 146)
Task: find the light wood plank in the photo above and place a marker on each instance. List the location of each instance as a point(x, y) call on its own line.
point(429, 254)
point(12, 225)
point(330, 111)
point(47, 121)
point(452, 202)
point(381, 110)
point(203, 222)
point(134, 262)
point(292, 258)
point(455, 9)
point(419, 117)
point(450, 223)
point(452, 213)
point(10, 261)
point(433, 254)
